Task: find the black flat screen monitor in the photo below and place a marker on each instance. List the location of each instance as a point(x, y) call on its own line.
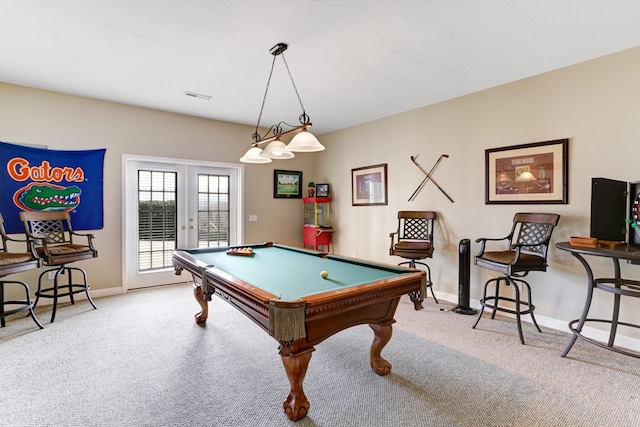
point(608, 209)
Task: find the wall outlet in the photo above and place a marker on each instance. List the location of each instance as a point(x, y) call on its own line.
point(51, 275)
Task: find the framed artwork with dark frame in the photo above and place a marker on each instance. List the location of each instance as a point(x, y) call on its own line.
point(369, 186)
point(322, 190)
point(535, 173)
point(287, 184)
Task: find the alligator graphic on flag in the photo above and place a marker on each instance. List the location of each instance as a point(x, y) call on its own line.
point(39, 179)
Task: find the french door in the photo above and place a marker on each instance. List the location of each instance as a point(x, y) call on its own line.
point(171, 204)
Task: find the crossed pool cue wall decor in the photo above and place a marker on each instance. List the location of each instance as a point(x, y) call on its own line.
point(428, 177)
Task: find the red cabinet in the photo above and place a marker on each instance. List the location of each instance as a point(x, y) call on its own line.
point(317, 230)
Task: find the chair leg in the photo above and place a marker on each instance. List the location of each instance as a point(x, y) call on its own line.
point(528, 303)
point(86, 285)
point(492, 302)
point(27, 304)
point(516, 290)
point(35, 319)
point(484, 299)
point(30, 304)
point(412, 264)
point(54, 291)
point(55, 294)
point(479, 317)
point(39, 291)
point(69, 285)
point(429, 282)
point(2, 321)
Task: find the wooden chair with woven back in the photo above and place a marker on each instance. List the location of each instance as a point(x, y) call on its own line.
point(413, 240)
point(527, 245)
point(59, 245)
point(12, 263)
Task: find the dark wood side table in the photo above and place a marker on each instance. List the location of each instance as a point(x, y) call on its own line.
point(616, 285)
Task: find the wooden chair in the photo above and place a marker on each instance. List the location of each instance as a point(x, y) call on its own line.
point(413, 240)
point(11, 263)
point(526, 251)
point(56, 243)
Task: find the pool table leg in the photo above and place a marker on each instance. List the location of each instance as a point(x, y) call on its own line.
point(296, 406)
point(382, 335)
point(202, 299)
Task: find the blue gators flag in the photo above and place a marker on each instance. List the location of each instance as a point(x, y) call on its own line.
point(36, 179)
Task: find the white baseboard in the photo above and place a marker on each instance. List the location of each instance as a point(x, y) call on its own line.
point(623, 341)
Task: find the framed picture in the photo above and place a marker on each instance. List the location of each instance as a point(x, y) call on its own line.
point(529, 173)
point(369, 185)
point(322, 190)
point(287, 184)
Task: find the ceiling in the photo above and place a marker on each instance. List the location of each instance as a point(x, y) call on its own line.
point(352, 61)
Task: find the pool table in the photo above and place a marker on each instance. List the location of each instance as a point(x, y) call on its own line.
point(281, 289)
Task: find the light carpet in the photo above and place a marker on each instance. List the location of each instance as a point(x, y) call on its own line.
point(140, 360)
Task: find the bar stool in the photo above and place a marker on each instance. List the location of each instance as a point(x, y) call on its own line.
point(527, 247)
point(413, 240)
point(55, 243)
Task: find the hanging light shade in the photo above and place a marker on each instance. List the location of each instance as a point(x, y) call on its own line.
point(305, 142)
point(277, 150)
point(253, 156)
point(526, 176)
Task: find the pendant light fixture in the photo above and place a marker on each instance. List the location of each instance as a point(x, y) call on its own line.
point(274, 148)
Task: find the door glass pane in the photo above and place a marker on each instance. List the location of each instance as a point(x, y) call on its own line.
point(157, 219)
point(213, 210)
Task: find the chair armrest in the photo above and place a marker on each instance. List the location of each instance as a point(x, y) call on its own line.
point(31, 244)
point(89, 236)
point(12, 239)
point(392, 240)
point(31, 247)
point(517, 247)
point(483, 241)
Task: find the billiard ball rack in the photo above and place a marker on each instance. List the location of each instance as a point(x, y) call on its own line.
point(241, 252)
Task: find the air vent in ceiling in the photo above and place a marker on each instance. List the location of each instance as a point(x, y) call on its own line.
point(197, 95)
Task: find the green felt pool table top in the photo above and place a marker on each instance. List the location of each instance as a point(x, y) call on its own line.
point(292, 273)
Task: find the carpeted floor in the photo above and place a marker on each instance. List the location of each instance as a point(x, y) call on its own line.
point(140, 360)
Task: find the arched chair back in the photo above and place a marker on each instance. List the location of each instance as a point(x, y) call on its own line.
point(527, 246)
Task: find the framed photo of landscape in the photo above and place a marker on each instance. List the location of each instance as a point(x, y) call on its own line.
point(526, 174)
point(287, 184)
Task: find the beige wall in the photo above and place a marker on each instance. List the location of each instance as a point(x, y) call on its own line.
point(594, 104)
point(68, 122)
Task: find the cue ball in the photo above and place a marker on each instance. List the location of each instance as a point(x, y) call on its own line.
point(324, 274)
